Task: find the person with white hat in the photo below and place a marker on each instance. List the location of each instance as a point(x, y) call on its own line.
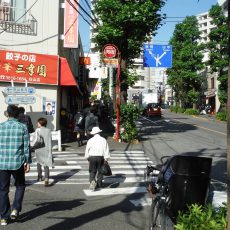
point(96, 152)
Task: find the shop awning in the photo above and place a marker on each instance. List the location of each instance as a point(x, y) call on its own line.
point(66, 76)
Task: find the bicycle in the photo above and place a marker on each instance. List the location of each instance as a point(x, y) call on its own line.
point(175, 184)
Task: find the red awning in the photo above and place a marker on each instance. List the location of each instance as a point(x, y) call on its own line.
point(66, 76)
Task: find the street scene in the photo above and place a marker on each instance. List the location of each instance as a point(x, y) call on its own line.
point(114, 114)
point(123, 202)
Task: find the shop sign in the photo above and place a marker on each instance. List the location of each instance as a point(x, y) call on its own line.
point(110, 61)
point(84, 60)
point(109, 51)
point(71, 24)
point(31, 67)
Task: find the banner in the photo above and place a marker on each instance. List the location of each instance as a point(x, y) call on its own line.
point(71, 25)
point(35, 68)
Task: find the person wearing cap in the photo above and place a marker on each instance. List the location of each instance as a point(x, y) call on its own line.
point(14, 160)
point(96, 152)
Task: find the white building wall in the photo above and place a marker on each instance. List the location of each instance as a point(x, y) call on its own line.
point(46, 42)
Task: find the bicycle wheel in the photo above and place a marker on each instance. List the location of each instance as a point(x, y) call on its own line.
point(157, 215)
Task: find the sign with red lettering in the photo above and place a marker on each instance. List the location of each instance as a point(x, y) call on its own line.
point(35, 68)
point(71, 24)
point(109, 51)
point(84, 60)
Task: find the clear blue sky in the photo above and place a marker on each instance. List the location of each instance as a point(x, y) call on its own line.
point(172, 8)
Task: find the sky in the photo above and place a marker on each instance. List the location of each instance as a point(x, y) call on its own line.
point(172, 9)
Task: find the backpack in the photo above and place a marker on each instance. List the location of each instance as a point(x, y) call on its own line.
point(92, 122)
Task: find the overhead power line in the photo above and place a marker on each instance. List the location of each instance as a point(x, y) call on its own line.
point(96, 22)
point(79, 13)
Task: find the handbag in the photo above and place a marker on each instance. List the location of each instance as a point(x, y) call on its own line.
point(105, 169)
point(36, 140)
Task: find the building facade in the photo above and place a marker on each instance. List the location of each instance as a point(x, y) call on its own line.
point(38, 29)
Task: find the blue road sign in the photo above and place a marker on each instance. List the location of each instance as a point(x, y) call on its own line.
point(19, 90)
point(157, 56)
point(15, 100)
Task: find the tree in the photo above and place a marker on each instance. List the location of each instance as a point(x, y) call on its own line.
point(127, 24)
point(218, 50)
point(187, 61)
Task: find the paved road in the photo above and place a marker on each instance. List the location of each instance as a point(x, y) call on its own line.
point(68, 203)
point(123, 203)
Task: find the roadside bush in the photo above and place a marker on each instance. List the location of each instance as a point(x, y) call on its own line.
point(174, 108)
point(181, 110)
point(129, 114)
point(222, 116)
point(202, 218)
point(191, 112)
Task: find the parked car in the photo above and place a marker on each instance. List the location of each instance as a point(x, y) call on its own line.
point(152, 109)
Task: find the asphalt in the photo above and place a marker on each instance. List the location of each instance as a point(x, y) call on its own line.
point(218, 190)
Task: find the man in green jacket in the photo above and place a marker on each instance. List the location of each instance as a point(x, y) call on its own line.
point(14, 160)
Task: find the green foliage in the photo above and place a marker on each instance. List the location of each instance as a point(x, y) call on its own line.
point(218, 49)
point(187, 61)
point(191, 112)
point(202, 218)
point(129, 114)
point(174, 108)
point(193, 96)
point(181, 110)
point(127, 24)
point(222, 116)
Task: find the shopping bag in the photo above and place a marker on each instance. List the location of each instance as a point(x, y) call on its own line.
point(105, 169)
point(36, 140)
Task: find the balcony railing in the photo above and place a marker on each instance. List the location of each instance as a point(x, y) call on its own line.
point(15, 20)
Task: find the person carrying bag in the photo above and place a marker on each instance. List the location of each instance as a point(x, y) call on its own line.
point(96, 152)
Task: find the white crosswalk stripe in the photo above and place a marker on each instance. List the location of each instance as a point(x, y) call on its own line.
point(72, 168)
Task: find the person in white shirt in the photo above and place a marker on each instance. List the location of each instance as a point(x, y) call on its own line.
point(96, 152)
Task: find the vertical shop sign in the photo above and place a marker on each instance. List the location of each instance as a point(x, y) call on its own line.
point(71, 24)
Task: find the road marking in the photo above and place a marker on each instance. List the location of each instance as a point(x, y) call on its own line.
point(107, 180)
point(219, 197)
point(115, 191)
point(201, 127)
point(71, 162)
point(70, 167)
point(127, 151)
point(86, 173)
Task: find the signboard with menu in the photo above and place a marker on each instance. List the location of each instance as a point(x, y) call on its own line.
point(31, 67)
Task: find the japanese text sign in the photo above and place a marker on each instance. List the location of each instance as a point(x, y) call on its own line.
point(84, 60)
point(35, 68)
point(71, 24)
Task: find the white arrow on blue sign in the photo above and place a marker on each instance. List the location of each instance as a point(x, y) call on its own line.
point(14, 100)
point(157, 56)
point(19, 90)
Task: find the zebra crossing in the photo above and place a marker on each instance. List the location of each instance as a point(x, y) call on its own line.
point(72, 168)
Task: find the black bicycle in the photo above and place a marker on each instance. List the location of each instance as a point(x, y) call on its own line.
point(176, 183)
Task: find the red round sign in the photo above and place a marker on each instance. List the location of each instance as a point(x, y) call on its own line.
point(109, 51)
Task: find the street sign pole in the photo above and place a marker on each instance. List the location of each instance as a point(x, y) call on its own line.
point(111, 51)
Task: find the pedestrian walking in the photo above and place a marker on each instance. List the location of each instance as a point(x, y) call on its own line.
point(44, 155)
point(79, 128)
point(14, 160)
point(25, 119)
point(91, 121)
point(96, 152)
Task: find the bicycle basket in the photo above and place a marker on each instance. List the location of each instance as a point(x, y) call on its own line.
point(188, 179)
